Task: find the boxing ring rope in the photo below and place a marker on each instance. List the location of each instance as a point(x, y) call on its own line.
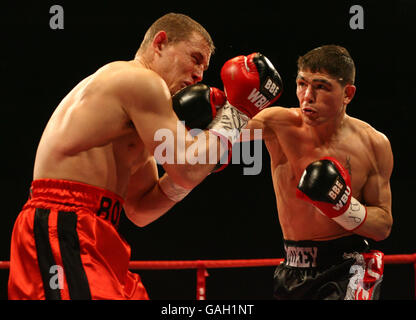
point(201, 267)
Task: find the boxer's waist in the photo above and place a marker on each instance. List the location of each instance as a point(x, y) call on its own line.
point(74, 195)
point(310, 254)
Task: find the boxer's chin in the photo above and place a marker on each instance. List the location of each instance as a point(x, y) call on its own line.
point(311, 119)
point(175, 90)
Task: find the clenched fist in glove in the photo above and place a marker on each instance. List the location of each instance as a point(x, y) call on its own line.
point(251, 83)
point(327, 185)
point(197, 104)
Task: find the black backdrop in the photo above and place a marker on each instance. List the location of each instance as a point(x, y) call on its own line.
point(228, 216)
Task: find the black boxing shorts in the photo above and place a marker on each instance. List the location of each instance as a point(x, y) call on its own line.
point(340, 269)
point(65, 245)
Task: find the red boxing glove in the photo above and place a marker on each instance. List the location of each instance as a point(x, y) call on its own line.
point(251, 83)
point(327, 185)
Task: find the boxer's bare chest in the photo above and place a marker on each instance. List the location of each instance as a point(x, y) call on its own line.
point(299, 148)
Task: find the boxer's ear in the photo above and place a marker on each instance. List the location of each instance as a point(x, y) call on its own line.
point(349, 92)
point(160, 40)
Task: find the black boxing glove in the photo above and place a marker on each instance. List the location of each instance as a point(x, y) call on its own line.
point(197, 105)
point(327, 185)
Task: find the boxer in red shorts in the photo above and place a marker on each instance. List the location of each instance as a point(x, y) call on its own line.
point(71, 225)
point(96, 150)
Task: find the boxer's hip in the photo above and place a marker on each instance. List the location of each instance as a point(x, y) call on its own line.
point(70, 226)
point(321, 254)
point(343, 268)
point(80, 197)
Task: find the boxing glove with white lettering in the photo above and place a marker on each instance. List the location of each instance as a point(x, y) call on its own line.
point(251, 83)
point(327, 185)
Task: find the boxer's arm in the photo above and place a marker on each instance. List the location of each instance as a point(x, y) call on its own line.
point(259, 122)
point(147, 102)
point(145, 202)
point(270, 121)
point(377, 194)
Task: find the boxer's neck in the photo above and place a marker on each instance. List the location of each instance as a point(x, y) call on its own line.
point(330, 130)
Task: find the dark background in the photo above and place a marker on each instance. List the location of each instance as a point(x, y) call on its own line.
point(228, 216)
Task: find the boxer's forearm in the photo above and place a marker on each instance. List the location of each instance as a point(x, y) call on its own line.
point(148, 208)
point(377, 225)
point(197, 160)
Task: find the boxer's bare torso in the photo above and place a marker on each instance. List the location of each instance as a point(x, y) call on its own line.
point(295, 137)
point(357, 146)
point(90, 138)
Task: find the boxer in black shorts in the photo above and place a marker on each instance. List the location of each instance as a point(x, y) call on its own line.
point(331, 176)
point(338, 269)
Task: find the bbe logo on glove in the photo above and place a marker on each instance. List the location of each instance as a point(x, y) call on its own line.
point(340, 192)
point(261, 99)
point(326, 184)
point(272, 88)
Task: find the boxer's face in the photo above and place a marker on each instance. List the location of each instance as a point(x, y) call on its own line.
point(183, 63)
point(321, 97)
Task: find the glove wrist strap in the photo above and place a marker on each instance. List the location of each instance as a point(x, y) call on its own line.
point(353, 217)
point(229, 122)
point(171, 190)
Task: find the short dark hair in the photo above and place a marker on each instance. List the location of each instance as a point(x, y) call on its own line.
point(333, 59)
point(178, 27)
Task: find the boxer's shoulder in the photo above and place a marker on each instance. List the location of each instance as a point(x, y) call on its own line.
point(368, 133)
point(377, 143)
point(279, 116)
point(133, 84)
point(126, 73)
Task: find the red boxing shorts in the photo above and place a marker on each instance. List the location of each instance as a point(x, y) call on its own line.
point(65, 245)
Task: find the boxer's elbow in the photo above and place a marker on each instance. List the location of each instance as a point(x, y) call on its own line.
point(133, 214)
point(377, 226)
point(381, 235)
point(138, 217)
point(143, 210)
point(384, 230)
point(141, 223)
